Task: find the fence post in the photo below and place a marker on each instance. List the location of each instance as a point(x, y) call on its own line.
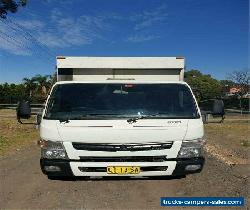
point(240, 107)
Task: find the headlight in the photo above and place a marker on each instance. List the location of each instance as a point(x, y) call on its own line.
point(190, 149)
point(52, 150)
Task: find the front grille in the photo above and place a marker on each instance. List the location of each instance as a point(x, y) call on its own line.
point(121, 147)
point(104, 169)
point(124, 159)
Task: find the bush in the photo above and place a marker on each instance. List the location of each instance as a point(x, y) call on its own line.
point(229, 103)
point(234, 103)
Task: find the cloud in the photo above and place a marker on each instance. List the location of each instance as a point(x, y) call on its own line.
point(58, 2)
point(51, 40)
point(34, 34)
point(55, 14)
point(142, 38)
point(13, 41)
point(143, 23)
point(69, 31)
point(31, 24)
point(13, 47)
point(149, 17)
point(25, 37)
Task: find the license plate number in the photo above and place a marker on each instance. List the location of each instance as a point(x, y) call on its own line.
point(123, 169)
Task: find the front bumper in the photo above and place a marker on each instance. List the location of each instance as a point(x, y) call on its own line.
point(62, 164)
point(174, 167)
point(182, 164)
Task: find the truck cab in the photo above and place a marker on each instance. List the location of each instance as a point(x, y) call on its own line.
point(121, 116)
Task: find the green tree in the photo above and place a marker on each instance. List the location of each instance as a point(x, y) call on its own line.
point(43, 83)
point(30, 85)
point(10, 6)
point(241, 79)
point(53, 79)
point(203, 85)
point(11, 93)
point(226, 85)
point(31, 88)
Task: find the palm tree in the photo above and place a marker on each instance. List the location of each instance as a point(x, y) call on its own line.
point(43, 83)
point(29, 84)
point(53, 79)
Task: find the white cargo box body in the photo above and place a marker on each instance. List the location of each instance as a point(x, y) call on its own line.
point(124, 68)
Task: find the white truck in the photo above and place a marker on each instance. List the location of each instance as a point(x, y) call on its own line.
point(120, 116)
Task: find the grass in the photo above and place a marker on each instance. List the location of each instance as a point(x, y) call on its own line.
point(245, 143)
point(3, 142)
point(228, 132)
point(14, 136)
point(232, 135)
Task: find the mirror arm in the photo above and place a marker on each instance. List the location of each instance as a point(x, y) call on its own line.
point(19, 120)
point(26, 123)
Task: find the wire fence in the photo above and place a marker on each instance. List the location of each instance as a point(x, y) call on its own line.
point(229, 103)
point(10, 99)
point(232, 105)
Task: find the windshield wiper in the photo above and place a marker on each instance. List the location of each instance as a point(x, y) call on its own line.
point(148, 116)
point(91, 115)
point(64, 120)
point(135, 119)
point(130, 119)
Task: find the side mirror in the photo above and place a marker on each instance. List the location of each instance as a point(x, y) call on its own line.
point(218, 107)
point(38, 118)
point(23, 110)
point(215, 108)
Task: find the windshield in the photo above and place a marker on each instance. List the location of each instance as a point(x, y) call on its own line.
point(99, 101)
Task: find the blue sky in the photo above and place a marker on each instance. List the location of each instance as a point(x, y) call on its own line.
point(211, 34)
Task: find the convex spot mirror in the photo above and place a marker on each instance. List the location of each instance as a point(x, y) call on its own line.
point(23, 111)
point(218, 107)
point(214, 107)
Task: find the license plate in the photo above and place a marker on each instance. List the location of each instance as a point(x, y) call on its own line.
point(123, 169)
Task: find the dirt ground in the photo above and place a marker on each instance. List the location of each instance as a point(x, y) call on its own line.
point(23, 186)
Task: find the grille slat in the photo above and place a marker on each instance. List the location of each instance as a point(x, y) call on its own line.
point(121, 147)
point(124, 159)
